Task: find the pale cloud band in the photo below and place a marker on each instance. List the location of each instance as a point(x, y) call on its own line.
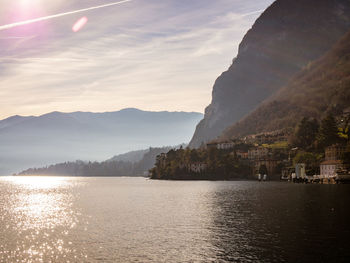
point(154, 55)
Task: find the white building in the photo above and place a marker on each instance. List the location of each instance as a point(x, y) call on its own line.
point(332, 162)
point(300, 171)
point(225, 145)
point(329, 168)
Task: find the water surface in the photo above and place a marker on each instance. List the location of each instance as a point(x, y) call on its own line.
point(61, 219)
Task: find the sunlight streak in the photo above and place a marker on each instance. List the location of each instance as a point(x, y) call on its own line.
point(8, 26)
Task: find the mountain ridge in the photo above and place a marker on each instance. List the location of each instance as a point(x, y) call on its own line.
point(58, 137)
point(321, 88)
point(285, 38)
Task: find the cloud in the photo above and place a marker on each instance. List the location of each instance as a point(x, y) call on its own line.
point(152, 54)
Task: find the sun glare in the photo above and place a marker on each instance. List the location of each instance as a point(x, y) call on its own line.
point(38, 182)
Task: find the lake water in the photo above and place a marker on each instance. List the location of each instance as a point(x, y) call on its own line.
point(138, 220)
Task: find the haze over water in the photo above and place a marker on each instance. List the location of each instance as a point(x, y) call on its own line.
point(138, 220)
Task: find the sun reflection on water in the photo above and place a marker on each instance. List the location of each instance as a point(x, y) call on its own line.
point(37, 182)
point(40, 215)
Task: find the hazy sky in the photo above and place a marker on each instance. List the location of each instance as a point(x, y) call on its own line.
point(148, 54)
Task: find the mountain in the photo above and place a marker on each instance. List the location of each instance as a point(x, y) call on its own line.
point(283, 40)
point(58, 137)
point(322, 87)
point(13, 120)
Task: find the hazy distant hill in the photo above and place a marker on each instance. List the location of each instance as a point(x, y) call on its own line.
point(57, 137)
point(135, 163)
point(137, 156)
point(322, 87)
point(283, 40)
point(133, 156)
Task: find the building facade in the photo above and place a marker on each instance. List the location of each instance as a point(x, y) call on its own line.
point(334, 152)
point(329, 168)
point(332, 162)
point(258, 153)
point(225, 145)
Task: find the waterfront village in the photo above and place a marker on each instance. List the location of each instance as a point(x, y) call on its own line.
point(309, 153)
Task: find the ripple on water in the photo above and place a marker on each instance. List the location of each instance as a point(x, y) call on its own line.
point(137, 220)
point(38, 215)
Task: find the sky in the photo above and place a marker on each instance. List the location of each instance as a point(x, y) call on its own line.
point(148, 54)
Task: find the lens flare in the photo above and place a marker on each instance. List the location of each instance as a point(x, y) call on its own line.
point(44, 18)
point(79, 24)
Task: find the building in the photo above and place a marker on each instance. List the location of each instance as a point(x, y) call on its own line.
point(300, 172)
point(332, 162)
point(212, 145)
point(258, 153)
point(334, 152)
point(267, 137)
point(225, 145)
point(197, 167)
point(221, 145)
point(329, 168)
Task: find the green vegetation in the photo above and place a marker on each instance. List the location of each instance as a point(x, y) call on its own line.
point(277, 145)
point(328, 132)
point(312, 161)
point(305, 134)
point(201, 164)
point(306, 145)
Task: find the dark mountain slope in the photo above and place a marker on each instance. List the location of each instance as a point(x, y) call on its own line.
point(283, 40)
point(322, 87)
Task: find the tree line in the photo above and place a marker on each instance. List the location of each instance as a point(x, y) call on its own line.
point(305, 145)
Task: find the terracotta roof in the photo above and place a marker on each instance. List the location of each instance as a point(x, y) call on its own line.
point(331, 162)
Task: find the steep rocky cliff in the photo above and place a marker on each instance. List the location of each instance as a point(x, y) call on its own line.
point(322, 87)
point(283, 40)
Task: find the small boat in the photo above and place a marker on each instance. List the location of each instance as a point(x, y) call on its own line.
point(265, 177)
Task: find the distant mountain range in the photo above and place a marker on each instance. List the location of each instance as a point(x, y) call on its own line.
point(285, 39)
point(58, 137)
point(321, 88)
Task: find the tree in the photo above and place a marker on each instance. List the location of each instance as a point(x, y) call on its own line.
point(311, 160)
point(305, 134)
point(346, 159)
point(328, 133)
point(344, 129)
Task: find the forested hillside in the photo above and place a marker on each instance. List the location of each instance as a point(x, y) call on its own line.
point(122, 165)
point(322, 87)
